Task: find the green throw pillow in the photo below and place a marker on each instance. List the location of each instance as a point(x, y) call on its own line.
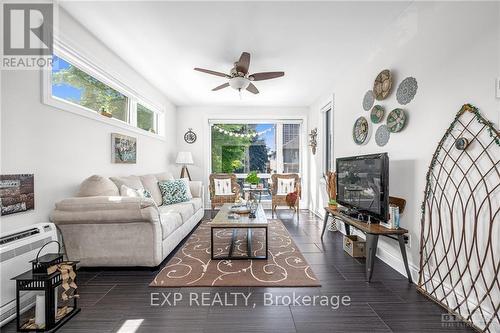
point(173, 191)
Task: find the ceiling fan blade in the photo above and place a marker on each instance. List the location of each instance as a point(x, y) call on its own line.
point(253, 89)
point(211, 72)
point(244, 63)
point(222, 86)
point(266, 76)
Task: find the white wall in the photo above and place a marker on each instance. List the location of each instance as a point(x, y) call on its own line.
point(62, 148)
point(197, 118)
point(452, 49)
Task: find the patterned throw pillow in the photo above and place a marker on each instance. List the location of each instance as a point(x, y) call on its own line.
point(285, 186)
point(223, 187)
point(173, 191)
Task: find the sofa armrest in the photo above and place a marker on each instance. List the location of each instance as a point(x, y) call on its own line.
point(104, 209)
point(196, 188)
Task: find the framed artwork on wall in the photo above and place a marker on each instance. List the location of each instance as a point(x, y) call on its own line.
point(123, 149)
point(17, 193)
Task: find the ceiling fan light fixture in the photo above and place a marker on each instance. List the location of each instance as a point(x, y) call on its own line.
point(239, 83)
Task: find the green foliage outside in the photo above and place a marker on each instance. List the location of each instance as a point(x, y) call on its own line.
point(238, 154)
point(145, 118)
point(95, 94)
point(252, 178)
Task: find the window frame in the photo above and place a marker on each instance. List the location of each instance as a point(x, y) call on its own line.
point(328, 138)
point(279, 140)
point(82, 63)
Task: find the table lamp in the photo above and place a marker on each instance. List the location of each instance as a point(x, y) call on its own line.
point(184, 158)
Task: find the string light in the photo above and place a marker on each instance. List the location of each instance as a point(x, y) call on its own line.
point(242, 135)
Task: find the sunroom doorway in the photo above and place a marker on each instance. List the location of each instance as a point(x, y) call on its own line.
point(264, 146)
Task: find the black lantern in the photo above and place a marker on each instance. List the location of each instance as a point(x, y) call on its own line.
point(45, 280)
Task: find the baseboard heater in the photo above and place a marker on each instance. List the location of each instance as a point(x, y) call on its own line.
point(17, 248)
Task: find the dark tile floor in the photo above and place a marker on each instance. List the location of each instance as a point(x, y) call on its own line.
point(120, 300)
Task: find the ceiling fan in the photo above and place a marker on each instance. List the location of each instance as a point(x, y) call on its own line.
point(239, 78)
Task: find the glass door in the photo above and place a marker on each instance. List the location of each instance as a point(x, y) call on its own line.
point(266, 147)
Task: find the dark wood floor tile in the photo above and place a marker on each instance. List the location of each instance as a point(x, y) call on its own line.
point(176, 319)
point(95, 288)
point(321, 268)
point(416, 317)
point(407, 291)
point(259, 319)
point(358, 317)
point(309, 248)
point(360, 291)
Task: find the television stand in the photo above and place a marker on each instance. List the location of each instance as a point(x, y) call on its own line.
point(372, 232)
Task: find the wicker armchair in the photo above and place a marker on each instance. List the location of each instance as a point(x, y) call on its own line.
point(280, 199)
point(219, 200)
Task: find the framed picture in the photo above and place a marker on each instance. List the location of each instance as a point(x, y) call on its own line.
point(17, 193)
point(123, 149)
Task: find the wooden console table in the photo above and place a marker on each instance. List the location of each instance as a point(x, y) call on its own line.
point(372, 232)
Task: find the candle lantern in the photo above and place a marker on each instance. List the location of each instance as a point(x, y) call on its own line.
point(47, 274)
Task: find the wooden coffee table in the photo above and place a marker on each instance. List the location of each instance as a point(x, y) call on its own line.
point(221, 221)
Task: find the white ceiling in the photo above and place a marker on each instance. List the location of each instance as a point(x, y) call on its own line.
point(314, 43)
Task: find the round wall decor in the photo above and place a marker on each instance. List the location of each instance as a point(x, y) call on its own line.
point(377, 114)
point(190, 136)
point(407, 90)
point(396, 120)
point(360, 130)
point(382, 135)
point(382, 85)
point(462, 143)
point(368, 100)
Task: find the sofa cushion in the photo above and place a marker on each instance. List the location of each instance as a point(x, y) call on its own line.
point(164, 176)
point(196, 203)
point(130, 181)
point(97, 186)
point(169, 223)
point(173, 191)
point(150, 183)
point(185, 209)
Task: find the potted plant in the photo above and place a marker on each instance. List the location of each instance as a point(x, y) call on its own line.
point(332, 203)
point(106, 113)
point(252, 179)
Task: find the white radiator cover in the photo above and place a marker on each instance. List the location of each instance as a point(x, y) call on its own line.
point(17, 248)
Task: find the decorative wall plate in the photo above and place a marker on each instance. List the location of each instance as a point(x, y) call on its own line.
point(382, 85)
point(377, 114)
point(368, 100)
point(407, 90)
point(382, 135)
point(396, 120)
point(360, 130)
point(190, 136)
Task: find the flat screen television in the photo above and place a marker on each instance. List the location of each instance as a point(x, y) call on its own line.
point(363, 184)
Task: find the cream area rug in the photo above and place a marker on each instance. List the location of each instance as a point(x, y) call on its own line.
point(192, 265)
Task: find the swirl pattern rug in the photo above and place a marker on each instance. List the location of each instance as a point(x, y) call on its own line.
point(192, 266)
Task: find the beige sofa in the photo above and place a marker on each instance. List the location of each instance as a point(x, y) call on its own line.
point(102, 228)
